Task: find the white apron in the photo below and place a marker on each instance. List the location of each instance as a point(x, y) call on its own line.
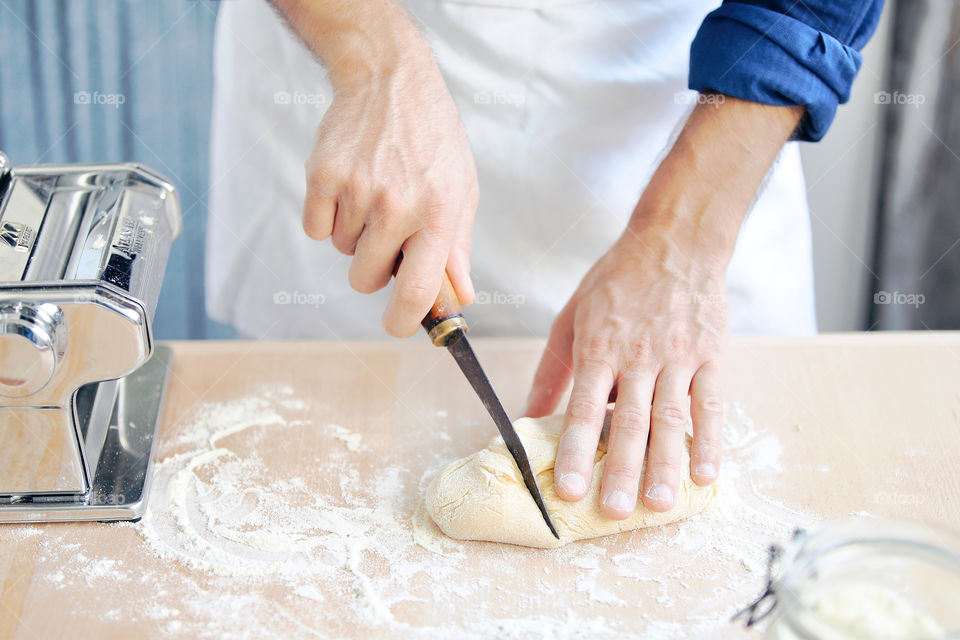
point(568, 106)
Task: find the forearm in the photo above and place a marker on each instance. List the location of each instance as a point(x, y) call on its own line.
point(701, 192)
point(358, 41)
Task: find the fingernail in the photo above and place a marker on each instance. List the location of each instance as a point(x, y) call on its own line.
point(618, 501)
point(572, 484)
point(705, 470)
point(660, 493)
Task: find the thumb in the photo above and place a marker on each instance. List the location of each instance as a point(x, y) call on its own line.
point(555, 369)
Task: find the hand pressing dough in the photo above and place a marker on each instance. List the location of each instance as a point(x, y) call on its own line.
point(482, 496)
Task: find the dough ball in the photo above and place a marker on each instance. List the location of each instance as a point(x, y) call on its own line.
point(482, 496)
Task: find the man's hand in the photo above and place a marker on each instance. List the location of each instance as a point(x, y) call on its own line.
point(647, 323)
point(391, 168)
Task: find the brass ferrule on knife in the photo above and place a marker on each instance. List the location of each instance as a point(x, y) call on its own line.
point(445, 316)
point(441, 331)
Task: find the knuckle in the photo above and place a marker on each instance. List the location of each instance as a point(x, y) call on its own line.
point(708, 342)
point(436, 237)
point(630, 421)
point(662, 468)
point(641, 350)
point(353, 185)
point(596, 358)
point(416, 292)
point(678, 343)
point(709, 405)
point(436, 210)
point(622, 472)
point(438, 197)
point(596, 367)
point(390, 207)
point(669, 414)
point(583, 408)
point(322, 180)
point(596, 348)
point(314, 227)
point(664, 456)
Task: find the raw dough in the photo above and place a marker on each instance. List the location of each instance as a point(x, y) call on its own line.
point(482, 496)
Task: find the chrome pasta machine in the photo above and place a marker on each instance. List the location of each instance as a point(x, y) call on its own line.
point(83, 249)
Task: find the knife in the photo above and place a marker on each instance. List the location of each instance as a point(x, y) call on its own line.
point(447, 328)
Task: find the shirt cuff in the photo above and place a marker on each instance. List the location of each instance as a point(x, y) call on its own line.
point(761, 55)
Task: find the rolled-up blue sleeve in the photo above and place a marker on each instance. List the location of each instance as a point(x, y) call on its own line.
point(785, 53)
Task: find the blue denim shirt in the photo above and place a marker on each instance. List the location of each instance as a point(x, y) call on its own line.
point(785, 52)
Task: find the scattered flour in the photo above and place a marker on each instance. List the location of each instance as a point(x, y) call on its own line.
point(350, 439)
point(249, 543)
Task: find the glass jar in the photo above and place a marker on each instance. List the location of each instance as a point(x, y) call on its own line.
point(864, 579)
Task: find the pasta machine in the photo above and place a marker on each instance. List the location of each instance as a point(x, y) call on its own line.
point(83, 249)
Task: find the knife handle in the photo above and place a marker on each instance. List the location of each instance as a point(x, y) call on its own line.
point(445, 315)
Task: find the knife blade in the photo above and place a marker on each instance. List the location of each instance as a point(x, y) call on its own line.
point(447, 328)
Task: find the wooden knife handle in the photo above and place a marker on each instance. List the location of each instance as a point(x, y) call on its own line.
point(445, 315)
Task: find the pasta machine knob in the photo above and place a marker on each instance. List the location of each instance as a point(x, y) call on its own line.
point(30, 347)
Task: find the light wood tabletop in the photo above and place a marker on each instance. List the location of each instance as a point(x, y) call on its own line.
point(289, 477)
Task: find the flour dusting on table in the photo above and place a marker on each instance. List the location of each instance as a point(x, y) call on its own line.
point(349, 439)
point(312, 547)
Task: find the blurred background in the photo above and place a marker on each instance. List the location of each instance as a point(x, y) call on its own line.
point(119, 80)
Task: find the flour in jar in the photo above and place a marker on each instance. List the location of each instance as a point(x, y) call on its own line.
point(862, 611)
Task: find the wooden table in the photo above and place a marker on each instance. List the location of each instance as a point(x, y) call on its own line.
point(263, 435)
